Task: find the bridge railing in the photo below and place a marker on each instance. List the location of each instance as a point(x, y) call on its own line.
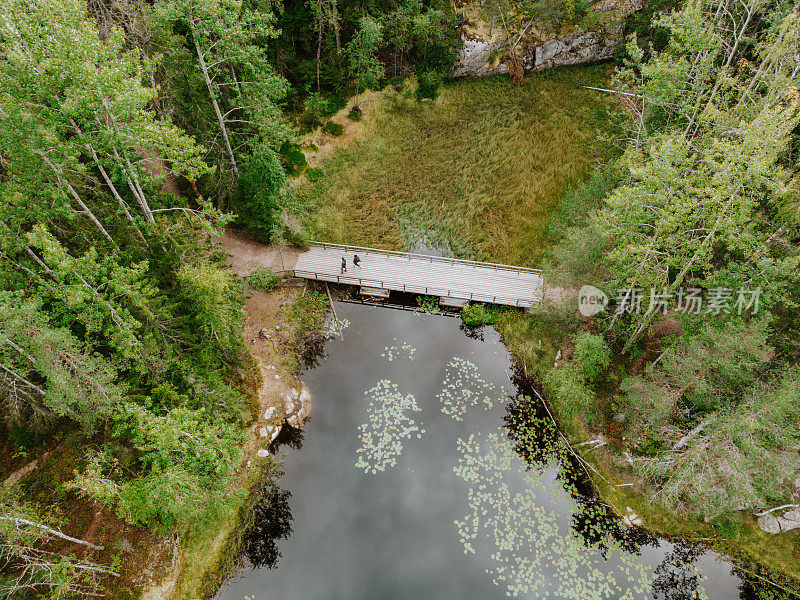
point(416, 289)
point(426, 258)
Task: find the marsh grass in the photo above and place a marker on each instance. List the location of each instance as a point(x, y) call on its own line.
point(482, 167)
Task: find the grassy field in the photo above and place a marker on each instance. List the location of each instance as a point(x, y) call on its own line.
point(480, 169)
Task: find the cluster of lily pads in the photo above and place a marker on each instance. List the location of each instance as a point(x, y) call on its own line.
point(404, 350)
point(386, 427)
point(333, 328)
point(534, 550)
point(463, 386)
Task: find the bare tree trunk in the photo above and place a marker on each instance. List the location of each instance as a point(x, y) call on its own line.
point(142, 200)
point(50, 530)
point(209, 85)
point(20, 378)
point(134, 185)
point(77, 198)
point(319, 47)
point(122, 204)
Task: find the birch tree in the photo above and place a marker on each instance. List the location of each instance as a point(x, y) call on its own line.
point(361, 54)
point(74, 111)
point(229, 40)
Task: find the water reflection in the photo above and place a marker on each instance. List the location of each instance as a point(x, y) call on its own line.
point(288, 437)
point(678, 576)
point(491, 460)
point(272, 522)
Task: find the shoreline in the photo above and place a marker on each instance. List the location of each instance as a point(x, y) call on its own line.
point(760, 555)
point(202, 573)
point(209, 554)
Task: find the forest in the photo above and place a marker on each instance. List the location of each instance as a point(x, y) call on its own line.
point(133, 133)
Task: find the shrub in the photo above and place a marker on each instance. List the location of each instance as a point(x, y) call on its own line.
point(317, 107)
point(335, 129)
point(258, 191)
point(314, 174)
point(480, 314)
point(308, 121)
point(263, 279)
point(355, 114)
point(592, 356)
point(428, 84)
point(427, 304)
point(566, 390)
point(294, 161)
point(476, 314)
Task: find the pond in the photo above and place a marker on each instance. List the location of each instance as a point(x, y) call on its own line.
point(425, 473)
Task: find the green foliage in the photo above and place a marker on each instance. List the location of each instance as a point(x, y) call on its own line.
point(293, 159)
point(307, 314)
point(728, 525)
point(477, 314)
point(708, 371)
point(428, 84)
point(548, 16)
point(644, 23)
point(566, 389)
point(354, 114)
point(263, 279)
point(361, 54)
point(335, 129)
point(427, 304)
point(26, 532)
point(687, 169)
point(481, 314)
point(740, 458)
point(217, 313)
point(313, 174)
point(114, 312)
point(228, 42)
point(188, 459)
point(49, 373)
point(592, 356)
point(318, 106)
point(258, 193)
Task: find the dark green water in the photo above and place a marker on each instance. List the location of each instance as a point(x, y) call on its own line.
point(393, 534)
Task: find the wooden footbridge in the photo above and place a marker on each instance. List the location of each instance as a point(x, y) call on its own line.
point(456, 282)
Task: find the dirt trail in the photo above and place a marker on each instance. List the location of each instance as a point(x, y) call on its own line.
point(245, 255)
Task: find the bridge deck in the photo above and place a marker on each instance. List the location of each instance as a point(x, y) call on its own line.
point(421, 274)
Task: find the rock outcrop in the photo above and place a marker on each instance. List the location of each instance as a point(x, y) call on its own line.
point(478, 56)
point(788, 521)
point(297, 406)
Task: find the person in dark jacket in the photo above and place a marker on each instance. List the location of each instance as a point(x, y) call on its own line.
point(356, 261)
point(344, 266)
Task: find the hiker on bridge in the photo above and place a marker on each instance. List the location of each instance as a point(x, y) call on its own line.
point(344, 266)
point(356, 261)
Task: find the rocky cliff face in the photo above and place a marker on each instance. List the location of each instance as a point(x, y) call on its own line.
point(478, 56)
